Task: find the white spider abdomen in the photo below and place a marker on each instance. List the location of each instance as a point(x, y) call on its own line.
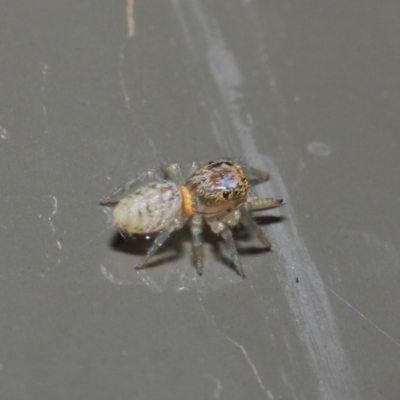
point(149, 208)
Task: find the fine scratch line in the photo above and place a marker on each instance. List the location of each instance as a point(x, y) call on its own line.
point(237, 344)
point(377, 327)
point(253, 367)
point(326, 353)
point(45, 69)
point(121, 76)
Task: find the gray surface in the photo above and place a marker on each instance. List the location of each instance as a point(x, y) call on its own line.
point(309, 91)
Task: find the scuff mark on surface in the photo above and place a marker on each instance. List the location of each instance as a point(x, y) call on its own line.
point(319, 149)
point(217, 392)
point(309, 302)
point(50, 220)
point(253, 367)
point(121, 65)
point(3, 133)
point(45, 69)
point(121, 75)
point(54, 212)
point(238, 345)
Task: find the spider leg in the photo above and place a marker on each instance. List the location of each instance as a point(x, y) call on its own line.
point(176, 223)
point(194, 166)
point(221, 229)
point(124, 190)
point(173, 172)
point(251, 225)
point(257, 204)
point(254, 175)
point(196, 227)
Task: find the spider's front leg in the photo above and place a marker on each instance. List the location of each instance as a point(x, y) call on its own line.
point(258, 204)
point(223, 230)
point(249, 223)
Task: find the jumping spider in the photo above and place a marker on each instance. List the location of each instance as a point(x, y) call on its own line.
point(218, 193)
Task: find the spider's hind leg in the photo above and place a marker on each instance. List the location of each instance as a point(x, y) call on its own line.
point(172, 171)
point(194, 166)
point(176, 223)
point(126, 189)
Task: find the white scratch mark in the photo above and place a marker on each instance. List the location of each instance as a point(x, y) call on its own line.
point(45, 69)
point(125, 274)
point(150, 283)
point(3, 133)
point(50, 221)
point(109, 276)
point(309, 301)
point(185, 27)
point(310, 304)
point(54, 212)
point(237, 344)
point(130, 5)
point(319, 149)
point(217, 392)
point(127, 100)
point(121, 75)
point(253, 367)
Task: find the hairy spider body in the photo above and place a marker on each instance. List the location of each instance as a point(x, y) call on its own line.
point(218, 186)
point(218, 193)
point(149, 208)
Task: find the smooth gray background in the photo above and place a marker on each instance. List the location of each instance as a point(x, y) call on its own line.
point(92, 92)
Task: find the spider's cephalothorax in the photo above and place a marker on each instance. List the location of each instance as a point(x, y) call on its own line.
point(218, 193)
point(216, 187)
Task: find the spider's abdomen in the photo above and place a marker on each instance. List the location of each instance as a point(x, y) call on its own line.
point(149, 208)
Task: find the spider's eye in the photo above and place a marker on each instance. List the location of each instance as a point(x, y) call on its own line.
point(225, 195)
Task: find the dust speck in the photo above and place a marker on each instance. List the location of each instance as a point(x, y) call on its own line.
point(319, 149)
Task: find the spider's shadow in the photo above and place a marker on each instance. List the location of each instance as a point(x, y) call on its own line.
point(138, 245)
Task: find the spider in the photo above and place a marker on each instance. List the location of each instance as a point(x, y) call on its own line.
point(218, 193)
